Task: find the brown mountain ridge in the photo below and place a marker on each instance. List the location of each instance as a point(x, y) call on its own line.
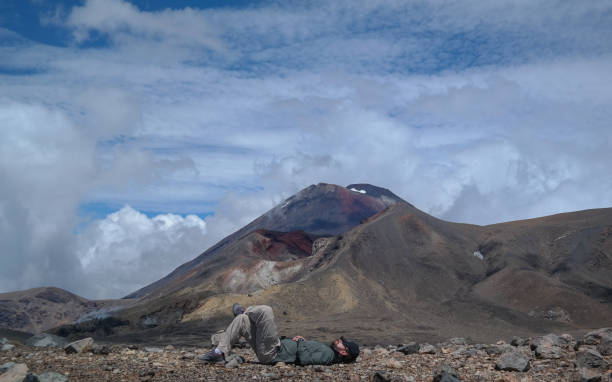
point(362, 262)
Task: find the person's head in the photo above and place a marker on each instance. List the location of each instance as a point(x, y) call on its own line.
point(347, 350)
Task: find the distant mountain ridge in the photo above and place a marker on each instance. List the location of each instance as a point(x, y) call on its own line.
point(38, 309)
point(362, 262)
point(375, 256)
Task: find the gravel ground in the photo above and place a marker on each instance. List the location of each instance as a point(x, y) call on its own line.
point(128, 363)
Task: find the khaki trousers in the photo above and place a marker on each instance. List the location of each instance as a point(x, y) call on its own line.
point(257, 326)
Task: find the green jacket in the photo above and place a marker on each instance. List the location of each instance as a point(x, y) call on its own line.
point(305, 353)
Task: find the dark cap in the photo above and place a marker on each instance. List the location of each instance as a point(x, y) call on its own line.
point(352, 347)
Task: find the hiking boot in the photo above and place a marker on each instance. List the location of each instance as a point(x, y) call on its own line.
point(237, 309)
point(212, 357)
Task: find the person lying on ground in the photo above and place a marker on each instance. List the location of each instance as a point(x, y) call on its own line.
point(256, 324)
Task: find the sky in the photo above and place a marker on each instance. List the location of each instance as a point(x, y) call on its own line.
point(136, 134)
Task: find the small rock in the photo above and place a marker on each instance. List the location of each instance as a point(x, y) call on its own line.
point(605, 346)
point(11, 371)
point(498, 349)
point(51, 376)
point(6, 366)
point(169, 347)
point(547, 340)
point(46, 340)
point(380, 351)
point(463, 352)
point(393, 363)
point(566, 340)
point(365, 353)
point(458, 341)
point(589, 358)
point(518, 341)
point(116, 371)
point(589, 375)
point(512, 361)
point(271, 376)
point(147, 373)
point(549, 352)
point(30, 378)
point(445, 373)
point(152, 349)
point(318, 368)
point(379, 376)
point(409, 348)
point(79, 346)
point(100, 349)
point(594, 337)
point(427, 349)
point(188, 355)
point(233, 361)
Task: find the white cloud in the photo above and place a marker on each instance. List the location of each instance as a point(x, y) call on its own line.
point(474, 112)
point(123, 21)
point(49, 165)
point(126, 250)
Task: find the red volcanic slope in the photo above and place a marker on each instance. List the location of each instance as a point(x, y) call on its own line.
point(273, 245)
point(318, 210)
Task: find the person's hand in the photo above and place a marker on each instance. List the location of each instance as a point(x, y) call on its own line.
point(299, 338)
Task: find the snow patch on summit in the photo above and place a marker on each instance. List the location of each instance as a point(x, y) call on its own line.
point(356, 190)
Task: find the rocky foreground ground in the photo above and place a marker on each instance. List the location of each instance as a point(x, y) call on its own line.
point(548, 358)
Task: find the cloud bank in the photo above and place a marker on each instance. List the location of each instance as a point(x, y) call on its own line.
point(205, 118)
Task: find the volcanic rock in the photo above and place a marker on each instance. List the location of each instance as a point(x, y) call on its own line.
point(31, 378)
point(79, 346)
point(13, 372)
point(100, 349)
point(153, 349)
point(497, 349)
point(46, 340)
point(427, 349)
point(380, 377)
point(605, 345)
point(548, 346)
point(512, 360)
point(233, 360)
point(137, 365)
point(445, 373)
point(458, 341)
point(594, 337)
point(589, 358)
point(51, 376)
point(409, 348)
point(518, 341)
point(589, 375)
point(549, 352)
